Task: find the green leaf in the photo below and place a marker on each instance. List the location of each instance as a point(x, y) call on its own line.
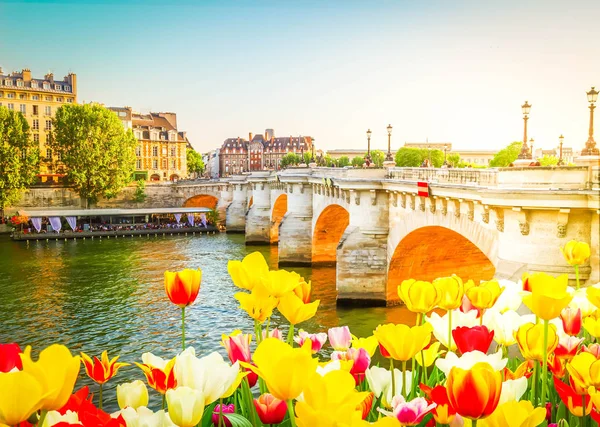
point(237, 420)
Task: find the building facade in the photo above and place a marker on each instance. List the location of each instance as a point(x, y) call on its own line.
point(211, 163)
point(161, 150)
point(259, 152)
point(38, 100)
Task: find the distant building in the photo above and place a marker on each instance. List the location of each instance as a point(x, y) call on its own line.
point(161, 152)
point(352, 153)
point(38, 100)
point(568, 154)
point(258, 152)
point(478, 157)
point(211, 163)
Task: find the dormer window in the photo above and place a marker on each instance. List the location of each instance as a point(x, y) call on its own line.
point(20, 83)
point(46, 85)
point(58, 87)
point(34, 85)
point(8, 82)
point(67, 88)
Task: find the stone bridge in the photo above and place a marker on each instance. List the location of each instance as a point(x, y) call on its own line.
point(377, 230)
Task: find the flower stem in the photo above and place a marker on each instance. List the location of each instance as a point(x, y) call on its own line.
point(291, 411)
point(545, 364)
point(393, 377)
point(403, 378)
point(474, 423)
point(183, 328)
point(258, 332)
point(164, 396)
point(100, 398)
point(221, 423)
point(290, 337)
point(577, 274)
point(449, 329)
point(42, 418)
point(424, 368)
point(536, 374)
point(419, 317)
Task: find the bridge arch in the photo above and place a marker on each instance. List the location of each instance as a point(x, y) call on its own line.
point(327, 232)
point(202, 201)
point(280, 208)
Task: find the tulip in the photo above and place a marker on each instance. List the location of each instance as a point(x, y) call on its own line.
point(584, 370)
point(410, 413)
point(513, 390)
point(470, 359)
point(466, 305)
point(88, 414)
point(101, 370)
point(510, 298)
point(186, 406)
point(323, 368)
point(280, 282)
point(367, 404)
point(144, 417)
point(475, 392)
point(451, 290)
point(340, 338)
point(54, 417)
point(504, 325)
point(523, 370)
point(442, 326)
point(57, 371)
point(516, 414)
point(557, 366)
point(581, 301)
point(592, 325)
point(473, 338)
point(419, 296)
point(360, 358)
point(303, 290)
point(571, 320)
point(274, 333)
point(429, 355)
point(270, 410)
point(21, 394)
point(295, 311)
point(369, 344)
point(182, 289)
point(531, 344)
point(443, 413)
point(548, 295)
point(259, 304)
point(133, 395)
point(247, 273)
point(484, 295)
point(273, 360)
point(380, 382)
point(237, 346)
point(567, 347)
point(9, 357)
point(525, 282)
point(592, 349)
point(159, 373)
point(576, 253)
point(573, 401)
point(317, 340)
point(218, 412)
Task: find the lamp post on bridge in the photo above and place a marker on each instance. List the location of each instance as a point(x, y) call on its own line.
point(445, 152)
point(531, 147)
point(590, 146)
point(389, 160)
point(525, 154)
point(368, 157)
point(561, 139)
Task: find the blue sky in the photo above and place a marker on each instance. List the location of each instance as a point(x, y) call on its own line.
point(453, 71)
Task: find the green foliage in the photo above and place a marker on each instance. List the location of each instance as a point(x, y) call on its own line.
point(507, 155)
point(414, 157)
point(454, 160)
point(358, 161)
point(548, 161)
point(290, 159)
point(343, 161)
point(377, 157)
point(194, 161)
point(213, 217)
point(95, 149)
point(19, 156)
point(307, 157)
point(139, 196)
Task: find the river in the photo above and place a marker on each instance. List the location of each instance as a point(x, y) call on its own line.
point(95, 295)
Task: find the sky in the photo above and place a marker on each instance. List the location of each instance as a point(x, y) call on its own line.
point(443, 71)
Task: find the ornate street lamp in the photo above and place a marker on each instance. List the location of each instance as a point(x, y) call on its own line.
point(445, 150)
point(590, 146)
point(368, 145)
point(389, 157)
point(525, 153)
point(561, 139)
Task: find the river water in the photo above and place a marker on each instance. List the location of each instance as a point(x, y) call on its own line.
point(95, 295)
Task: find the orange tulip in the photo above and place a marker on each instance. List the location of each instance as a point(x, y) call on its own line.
point(303, 290)
point(474, 393)
point(183, 286)
point(160, 379)
point(101, 370)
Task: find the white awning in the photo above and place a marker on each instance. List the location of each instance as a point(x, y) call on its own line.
point(33, 213)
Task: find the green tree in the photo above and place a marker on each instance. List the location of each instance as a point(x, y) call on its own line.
point(454, 160)
point(409, 157)
point(358, 161)
point(548, 161)
point(194, 161)
point(290, 159)
point(19, 156)
point(377, 157)
point(307, 157)
point(95, 149)
point(507, 155)
point(343, 161)
point(139, 196)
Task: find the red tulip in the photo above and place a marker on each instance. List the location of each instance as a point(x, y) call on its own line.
point(556, 365)
point(443, 413)
point(101, 370)
point(90, 415)
point(252, 377)
point(361, 360)
point(474, 338)
point(572, 400)
point(571, 320)
point(183, 286)
point(9, 357)
point(160, 380)
point(270, 409)
point(567, 347)
point(475, 392)
point(237, 346)
point(366, 405)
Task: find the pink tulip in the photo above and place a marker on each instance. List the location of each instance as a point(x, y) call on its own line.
point(593, 349)
point(567, 347)
point(317, 340)
point(361, 360)
point(237, 346)
point(275, 333)
point(227, 409)
point(411, 413)
point(340, 338)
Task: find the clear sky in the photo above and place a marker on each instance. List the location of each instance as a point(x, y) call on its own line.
point(454, 71)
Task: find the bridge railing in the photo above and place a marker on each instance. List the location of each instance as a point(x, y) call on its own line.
point(484, 177)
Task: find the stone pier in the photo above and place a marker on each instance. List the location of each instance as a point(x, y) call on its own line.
point(236, 211)
point(258, 218)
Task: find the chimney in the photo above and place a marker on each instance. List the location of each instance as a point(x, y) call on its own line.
point(26, 72)
point(249, 136)
point(1, 72)
point(49, 77)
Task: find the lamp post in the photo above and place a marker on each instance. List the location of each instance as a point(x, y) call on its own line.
point(561, 139)
point(525, 153)
point(368, 145)
point(389, 157)
point(590, 146)
point(531, 147)
point(445, 150)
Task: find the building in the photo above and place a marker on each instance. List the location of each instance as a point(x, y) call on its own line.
point(352, 153)
point(161, 152)
point(259, 152)
point(211, 163)
point(568, 154)
point(38, 100)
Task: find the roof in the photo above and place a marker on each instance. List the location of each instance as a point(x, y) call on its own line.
point(281, 143)
point(37, 213)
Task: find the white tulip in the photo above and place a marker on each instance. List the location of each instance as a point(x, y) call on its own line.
point(186, 406)
point(467, 360)
point(335, 365)
point(154, 361)
point(513, 390)
point(581, 301)
point(440, 324)
point(380, 382)
point(144, 417)
point(504, 325)
point(133, 394)
point(55, 417)
point(510, 298)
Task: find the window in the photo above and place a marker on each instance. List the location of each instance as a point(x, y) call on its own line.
point(57, 87)
point(146, 135)
point(22, 96)
point(138, 151)
point(11, 106)
point(10, 95)
point(36, 137)
point(173, 151)
point(46, 85)
point(20, 83)
point(35, 97)
point(67, 88)
point(122, 114)
point(173, 164)
point(155, 151)
point(8, 82)
point(23, 108)
point(154, 164)
point(164, 163)
point(59, 99)
point(35, 124)
point(48, 98)
point(48, 154)
point(34, 85)
point(35, 110)
point(48, 124)
point(164, 151)
point(69, 99)
point(48, 110)
point(59, 156)
point(138, 164)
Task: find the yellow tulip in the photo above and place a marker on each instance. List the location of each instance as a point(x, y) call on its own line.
point(56, 370)
point(584, 370)
point(530, 338)
point(294, 310)
point(21, 394)
point(133, 394)
point(186, 406)
point(369, 344)
point(429, 355)
point(576, 253)
point(280, 282)
point(593, 295)
point(515, 414)
point(247, 273)
point(451, 291)
point(548, 295)
point(258, 304)
point(594, 396)
point(285, 370)
point(235, 384)
point(401, 342)
point(304, 289)
point(484, 295)
point(419, 296)
point(592, 325)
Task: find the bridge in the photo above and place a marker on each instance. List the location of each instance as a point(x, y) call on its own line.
point(378, 231)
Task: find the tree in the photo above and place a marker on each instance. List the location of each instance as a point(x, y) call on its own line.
point(454, 160)
point(290, 159)
point(548, 161)
point(409, 157)
point(139, 196)
point(307, 157)
point(98, 153)
point(377, 157)
point(343, 161)
point(194, 161)
point(19, 156)
point(358, 161)
point(507, 155)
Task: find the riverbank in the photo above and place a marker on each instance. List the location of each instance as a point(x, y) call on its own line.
point(70, 235)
